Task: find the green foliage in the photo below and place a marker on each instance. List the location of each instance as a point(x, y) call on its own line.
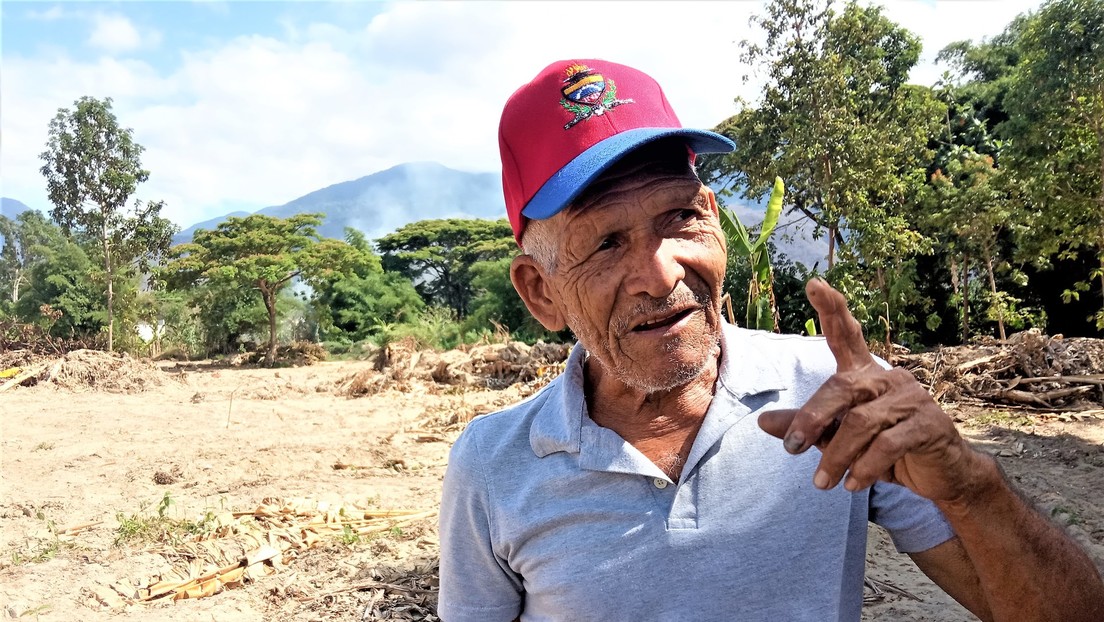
point(762, 313)
point(837, 122)
point(367, 301)
point(437, 255)
point(261, 253)
point(142, 529)
point(92, 167)
point(497, 305)
point(1055, 131)
point(63, 297)
point(26, 240)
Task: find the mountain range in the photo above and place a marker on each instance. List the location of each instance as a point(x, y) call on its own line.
point(380, 203)
point(11, 208)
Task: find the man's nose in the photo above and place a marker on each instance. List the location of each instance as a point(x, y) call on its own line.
point(656, 270)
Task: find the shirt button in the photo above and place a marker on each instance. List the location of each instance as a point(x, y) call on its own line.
point(659, 483)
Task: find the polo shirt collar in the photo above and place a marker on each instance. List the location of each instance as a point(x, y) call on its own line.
point(747, 368)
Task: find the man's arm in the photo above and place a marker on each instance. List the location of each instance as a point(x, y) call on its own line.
point(873, 424)
point(1028, 569)
point(949, 567)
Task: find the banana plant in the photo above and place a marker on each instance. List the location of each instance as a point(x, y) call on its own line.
point(762, 313)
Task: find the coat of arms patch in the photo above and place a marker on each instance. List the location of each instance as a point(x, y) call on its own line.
point(587, 93)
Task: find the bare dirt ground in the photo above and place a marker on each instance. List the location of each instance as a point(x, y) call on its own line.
point(91, 465)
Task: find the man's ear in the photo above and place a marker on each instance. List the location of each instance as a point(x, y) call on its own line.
point(536, 292)
point(711, 201)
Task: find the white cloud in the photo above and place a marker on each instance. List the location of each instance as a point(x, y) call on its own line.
point(115, 34)
point(257, 121)
point(53, 13)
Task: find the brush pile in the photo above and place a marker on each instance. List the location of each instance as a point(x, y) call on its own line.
point(404, 367)
point(1029, 370)
point(81, 370)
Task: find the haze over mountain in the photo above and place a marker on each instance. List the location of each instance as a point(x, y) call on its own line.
point(380, 203)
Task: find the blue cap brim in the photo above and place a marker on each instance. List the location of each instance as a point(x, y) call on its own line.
point(562, 188)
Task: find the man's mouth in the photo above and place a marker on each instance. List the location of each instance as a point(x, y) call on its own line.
point(663, 321)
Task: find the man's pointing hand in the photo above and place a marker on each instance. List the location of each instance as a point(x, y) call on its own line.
point(871, 423)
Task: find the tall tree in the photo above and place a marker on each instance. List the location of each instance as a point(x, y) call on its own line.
point(838, 123)
point(26, 240)
point(437, 255)
point(92, 167)
point(260, 252)
point(1055, 131)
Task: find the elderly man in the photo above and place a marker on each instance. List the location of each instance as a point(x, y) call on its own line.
point(647, 482)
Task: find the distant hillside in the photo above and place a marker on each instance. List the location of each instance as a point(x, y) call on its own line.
point(11, 208)
point(382, 202)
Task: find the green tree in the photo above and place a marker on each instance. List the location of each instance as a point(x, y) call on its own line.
point(365, 301)
point(437, 255)
point(26, 240)
point(497, 303)
point(62, 294)
point(837, 121)
point(974, 208)
point(1055, 130)
point(263, 253)
point(92, 167)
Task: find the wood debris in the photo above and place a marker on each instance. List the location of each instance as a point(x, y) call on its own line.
point(91, 370)
point(242, 547)
point(1030, 370)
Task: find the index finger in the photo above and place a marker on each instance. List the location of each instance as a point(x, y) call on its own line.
point(840, 328)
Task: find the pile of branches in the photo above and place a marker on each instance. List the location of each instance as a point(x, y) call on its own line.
point(403, 366)
point(1029, 370)
point(80, 370)
point(32, 338)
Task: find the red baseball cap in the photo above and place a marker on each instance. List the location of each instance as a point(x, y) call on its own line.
point(573, 121)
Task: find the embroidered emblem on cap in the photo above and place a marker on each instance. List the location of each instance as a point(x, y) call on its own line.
point(587, 93)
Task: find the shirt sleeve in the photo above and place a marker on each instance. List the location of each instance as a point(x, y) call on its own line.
point(913, 522)
point(476, 583)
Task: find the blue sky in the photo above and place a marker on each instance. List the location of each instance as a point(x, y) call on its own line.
point(242, 105)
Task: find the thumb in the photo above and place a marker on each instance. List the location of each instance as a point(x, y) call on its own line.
point(777, 422)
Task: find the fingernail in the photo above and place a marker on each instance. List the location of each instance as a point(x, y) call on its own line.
point(851, 484)
point(795, 442)
point(820, 480)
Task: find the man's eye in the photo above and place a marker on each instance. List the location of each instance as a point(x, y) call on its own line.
point(685, 214)
point(608, 243)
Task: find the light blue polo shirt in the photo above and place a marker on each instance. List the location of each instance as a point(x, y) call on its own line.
point(547, 516)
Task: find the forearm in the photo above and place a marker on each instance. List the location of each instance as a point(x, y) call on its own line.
point(1028, 568)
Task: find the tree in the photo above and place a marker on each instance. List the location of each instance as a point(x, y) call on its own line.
point(261, 252)
point(26, 240)
point(1055, 131)
point(366, 300)
point(92, 167)
point(837, 121)
point(975, 207)
point(437, 255)
point(62, 294)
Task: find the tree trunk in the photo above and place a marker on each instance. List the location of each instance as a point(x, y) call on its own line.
point(15, 285)
point(831, 246)
point(110, 290)
point(965, 299)
point(270, 305)
point(993, 291)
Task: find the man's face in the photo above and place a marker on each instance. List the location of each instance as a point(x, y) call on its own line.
point(639, 270)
